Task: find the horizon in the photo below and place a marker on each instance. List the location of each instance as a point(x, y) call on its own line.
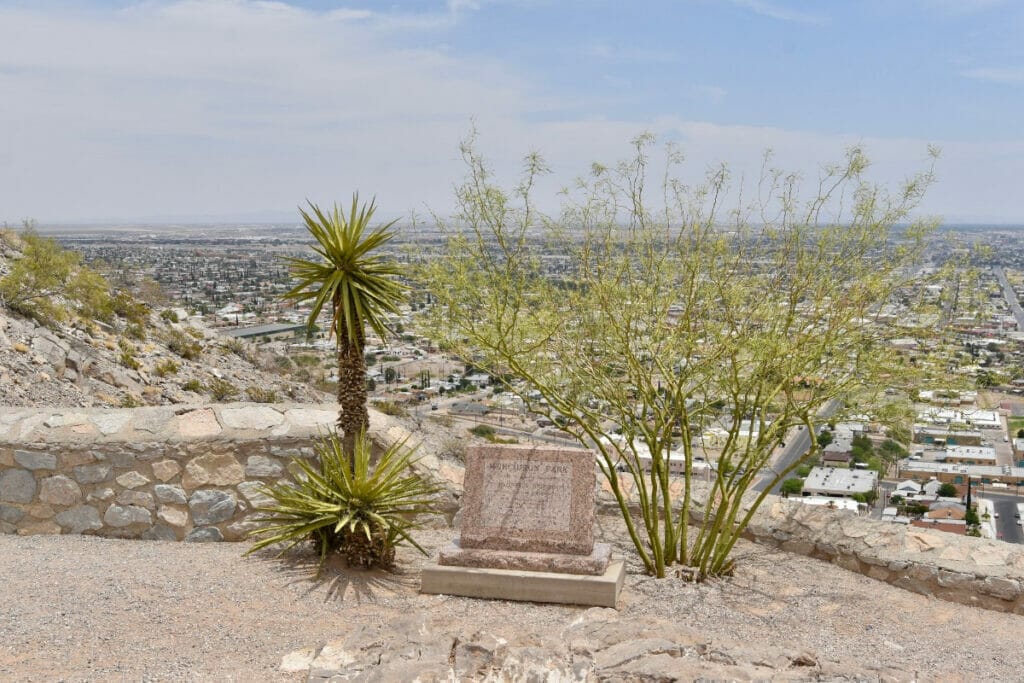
point(188, 111)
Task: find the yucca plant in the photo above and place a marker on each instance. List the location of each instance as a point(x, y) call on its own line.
point(351, 507)
point(360, 288)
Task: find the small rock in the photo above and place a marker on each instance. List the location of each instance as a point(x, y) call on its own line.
point(131, 480)
point(165, 470)
point(17, 486)
point(210, 506)
point(167, 493)
point(60, 490)
point(262, 466)
point(159, 533)
point(79, 519)
point(36, 461)
point(92, 474)
point(139, 498)
point(121, 516)
point(173, 516)
point(206, 534)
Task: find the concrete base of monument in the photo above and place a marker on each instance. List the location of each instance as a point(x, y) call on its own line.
point(454, 555)
point(515, 584)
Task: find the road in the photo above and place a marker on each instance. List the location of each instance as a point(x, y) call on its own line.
point(1010, 296)
point(794, 449)
point(1006, 507)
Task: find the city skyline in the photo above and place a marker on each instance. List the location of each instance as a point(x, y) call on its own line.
point(232, 110)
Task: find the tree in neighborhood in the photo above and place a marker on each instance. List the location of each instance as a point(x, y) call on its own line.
point(358, 286)
point(653, 318)
point(948, 490)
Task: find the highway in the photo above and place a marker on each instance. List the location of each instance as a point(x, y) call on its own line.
point(798, 444)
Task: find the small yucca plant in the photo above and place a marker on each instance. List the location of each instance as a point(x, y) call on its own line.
point(349, 507)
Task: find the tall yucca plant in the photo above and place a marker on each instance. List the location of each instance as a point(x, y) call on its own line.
point(359, 286)
point(360, 511)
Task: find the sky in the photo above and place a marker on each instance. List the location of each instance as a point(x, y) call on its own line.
point(240, 110)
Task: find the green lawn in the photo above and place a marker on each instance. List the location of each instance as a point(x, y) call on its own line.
point(1015, 423)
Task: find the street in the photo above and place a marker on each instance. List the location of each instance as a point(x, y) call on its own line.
point(798, 444)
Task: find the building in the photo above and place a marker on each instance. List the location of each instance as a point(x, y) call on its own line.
point(837, 482)
point(272, 331)
point(953, 473)
point(970, 455)
point(945, 436)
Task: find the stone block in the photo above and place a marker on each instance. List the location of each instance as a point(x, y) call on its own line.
point(255, 418)
point(122, 516)
point(138, 498)
point(79, 519)
point(159, 533)
point(510, 584)
point(31, 460)
point(100, 495)
point(60, 490)
point(214, 469)
point(17, 486)
point(167, 493)
point(92, 474)
point(252, 490)
point(210, 506)
point(165, 470)
point(530, 499)
point(69, 459)
point(174, 516)
point(262, 466)
point(197, 424)
point(207, 534)
point(132, 480)
point(6, 457)
point(10, 514)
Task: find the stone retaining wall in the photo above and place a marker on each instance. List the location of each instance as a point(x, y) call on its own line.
point(971, 571)
point(185, 473)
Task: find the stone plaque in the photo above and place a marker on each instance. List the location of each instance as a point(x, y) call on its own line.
point(525, 498)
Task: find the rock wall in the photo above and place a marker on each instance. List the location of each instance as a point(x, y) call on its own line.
point(971, 571)
point(168, 473)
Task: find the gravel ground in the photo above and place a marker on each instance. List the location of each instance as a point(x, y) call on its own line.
point(85, 608)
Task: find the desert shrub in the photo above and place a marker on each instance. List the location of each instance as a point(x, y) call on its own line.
point(193, 385)
point(135, 331)
point(483, 431)
point(130, 401)
point(283, 362)
point(168, 315)
point(306, 361)
point(390, 408)
point(165, 367)
point(222, 390)
point(194, 333)
point(183, 345)
point(349, 507)
point(260, 395)
point(235, 346)
point(128, 307)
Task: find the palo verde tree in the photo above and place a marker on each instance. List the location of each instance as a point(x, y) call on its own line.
point(647, 318)
point(359, 286)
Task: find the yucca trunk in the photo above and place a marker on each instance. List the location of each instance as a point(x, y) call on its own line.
point(352, 416)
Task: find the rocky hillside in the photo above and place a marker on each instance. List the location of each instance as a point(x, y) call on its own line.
point(136, 356)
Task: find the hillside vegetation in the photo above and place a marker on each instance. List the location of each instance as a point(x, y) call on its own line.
point(69, 338)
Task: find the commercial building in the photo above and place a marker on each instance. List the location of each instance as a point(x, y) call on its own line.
point(836, 482)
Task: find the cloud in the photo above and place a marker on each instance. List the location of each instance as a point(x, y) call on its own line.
point(775, 11)
point(230, 108)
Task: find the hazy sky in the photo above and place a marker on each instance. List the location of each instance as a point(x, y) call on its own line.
point(237, 109)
